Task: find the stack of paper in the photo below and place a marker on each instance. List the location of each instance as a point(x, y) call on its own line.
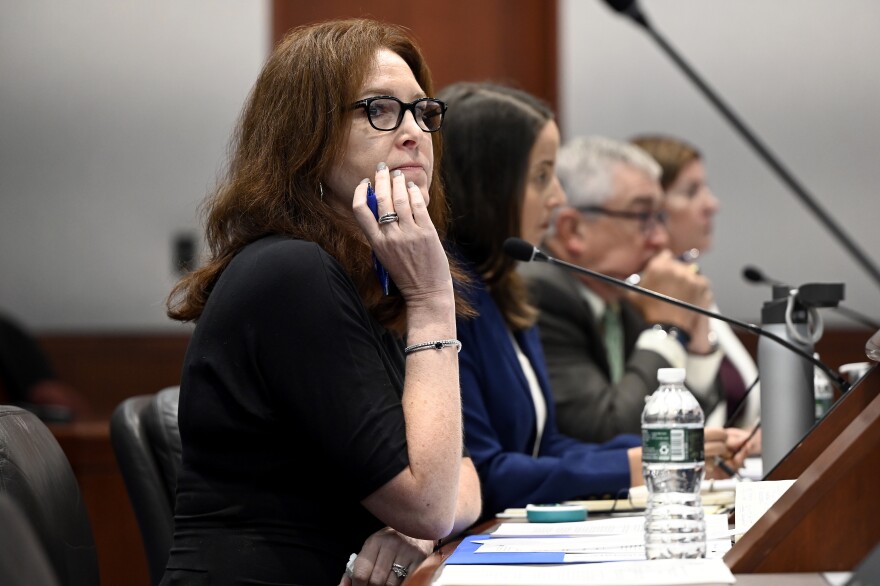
point(603, 540)
point(548, 554)
point(556, 554)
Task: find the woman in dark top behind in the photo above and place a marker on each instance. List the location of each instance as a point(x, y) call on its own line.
point(308, 432)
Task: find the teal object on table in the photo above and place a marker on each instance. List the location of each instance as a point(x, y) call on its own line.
point(553, 513)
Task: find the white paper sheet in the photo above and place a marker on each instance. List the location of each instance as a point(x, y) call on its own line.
point(629, 573)
point(603, 540)
point(754, 498)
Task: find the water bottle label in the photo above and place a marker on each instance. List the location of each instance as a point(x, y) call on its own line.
point(672, 445)
point(823, 406)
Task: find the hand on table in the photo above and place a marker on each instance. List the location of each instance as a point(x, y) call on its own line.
point(724, 443)
point(382, 552)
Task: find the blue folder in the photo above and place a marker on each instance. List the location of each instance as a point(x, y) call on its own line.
point(466, 553)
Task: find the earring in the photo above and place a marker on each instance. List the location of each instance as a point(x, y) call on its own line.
point(321, 190)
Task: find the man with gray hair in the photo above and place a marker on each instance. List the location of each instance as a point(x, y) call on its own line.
point(603, 343)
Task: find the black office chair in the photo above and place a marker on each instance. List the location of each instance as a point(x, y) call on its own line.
point(146, 441)
point(23, 561)
point(36, 476)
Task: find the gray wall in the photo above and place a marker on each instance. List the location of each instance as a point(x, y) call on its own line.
point(114, 120)
point(804, 77)
point(115, 116)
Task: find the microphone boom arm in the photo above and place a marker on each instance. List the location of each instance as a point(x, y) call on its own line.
point(842, 383)
point(631, 9)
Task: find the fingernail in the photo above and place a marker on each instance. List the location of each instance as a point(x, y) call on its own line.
point(365, 180)
point(396, 173)
point(381, 167)
point(410, 184)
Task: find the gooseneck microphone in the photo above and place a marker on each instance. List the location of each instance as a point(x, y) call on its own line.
point(753, 274)
point(521, 250)
point(631, 9)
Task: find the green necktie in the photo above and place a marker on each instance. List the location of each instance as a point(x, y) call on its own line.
point(613, 332)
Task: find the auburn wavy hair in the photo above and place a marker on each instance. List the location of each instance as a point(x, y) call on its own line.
point(291, 132)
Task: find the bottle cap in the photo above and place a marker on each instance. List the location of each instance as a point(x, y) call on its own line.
point(854, 371)
point(670, 375)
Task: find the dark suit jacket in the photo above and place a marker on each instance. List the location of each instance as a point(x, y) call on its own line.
point(500, 422)
point(588, 405)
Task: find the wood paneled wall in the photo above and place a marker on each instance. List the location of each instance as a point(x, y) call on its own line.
point(107, 368)
point(511, 41)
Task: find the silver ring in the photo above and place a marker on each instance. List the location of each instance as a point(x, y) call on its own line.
point(399, 571)
point(388, 218)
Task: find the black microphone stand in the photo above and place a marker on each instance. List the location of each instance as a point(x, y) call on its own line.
point(632, 10)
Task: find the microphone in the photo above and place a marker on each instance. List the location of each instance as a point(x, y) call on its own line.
point(630, 8)
point(755, 275)
point(521, 250)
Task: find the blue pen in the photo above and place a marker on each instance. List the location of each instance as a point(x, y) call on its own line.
point(381, 273)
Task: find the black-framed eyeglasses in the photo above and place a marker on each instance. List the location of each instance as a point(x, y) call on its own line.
point(648, 221)
point(386, 112)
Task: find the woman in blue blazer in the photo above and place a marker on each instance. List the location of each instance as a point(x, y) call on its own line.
point(499, 172)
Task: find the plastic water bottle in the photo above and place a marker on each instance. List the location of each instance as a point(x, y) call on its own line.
point(673, 466)
point(822, 390)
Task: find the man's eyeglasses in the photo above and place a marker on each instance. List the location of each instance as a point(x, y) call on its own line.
point(648, 221)
point(386, 112)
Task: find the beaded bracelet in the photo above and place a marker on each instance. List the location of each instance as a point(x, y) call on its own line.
point(436, 344)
